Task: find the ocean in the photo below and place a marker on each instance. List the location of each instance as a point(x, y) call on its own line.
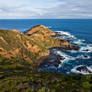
point(77, 30)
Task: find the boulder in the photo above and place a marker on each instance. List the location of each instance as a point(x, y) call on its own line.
point(84, 68)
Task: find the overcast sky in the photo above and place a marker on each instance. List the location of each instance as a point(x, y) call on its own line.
point(44, 9)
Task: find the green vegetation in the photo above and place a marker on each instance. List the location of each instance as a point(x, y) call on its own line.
point(21, 76)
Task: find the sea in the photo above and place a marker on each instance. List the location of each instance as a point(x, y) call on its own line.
point(78, 31)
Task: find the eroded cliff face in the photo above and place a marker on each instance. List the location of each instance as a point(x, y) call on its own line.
point(40, 28)
point(32, 45)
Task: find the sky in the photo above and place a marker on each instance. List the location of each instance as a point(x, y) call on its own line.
point(45, 9)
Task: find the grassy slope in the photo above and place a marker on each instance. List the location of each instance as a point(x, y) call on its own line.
point(19, 75)
point(13, 42)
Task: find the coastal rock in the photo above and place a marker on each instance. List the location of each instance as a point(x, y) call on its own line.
point(86, 57)
point(65, 44)
point(52, 60)
point(86, 50)
point(75, 47)
point(82, 69)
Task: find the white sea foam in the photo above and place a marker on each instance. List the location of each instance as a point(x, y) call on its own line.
point(73, 51)
point(79, 42)
point(66, 34)
point(86, 49)
point(74, 70)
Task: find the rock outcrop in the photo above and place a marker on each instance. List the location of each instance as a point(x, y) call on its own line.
point(40, 28)
point(65, 44)
point(82, 69)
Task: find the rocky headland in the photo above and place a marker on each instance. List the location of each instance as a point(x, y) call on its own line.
point(22, 53)
point(35, 44)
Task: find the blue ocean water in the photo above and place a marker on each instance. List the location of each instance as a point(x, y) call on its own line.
point(82, 28)
point(79, 28)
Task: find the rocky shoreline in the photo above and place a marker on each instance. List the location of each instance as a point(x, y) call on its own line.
point(54, 60)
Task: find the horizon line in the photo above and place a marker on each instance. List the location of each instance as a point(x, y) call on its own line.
point(43, 18)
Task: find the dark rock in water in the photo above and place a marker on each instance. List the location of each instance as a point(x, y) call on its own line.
point(85, 56)
point(57, 34)
point(84, 68)
point(68, 45)
point(75, 46)
point(86, 50)
point(65, 44)
point(52, 60)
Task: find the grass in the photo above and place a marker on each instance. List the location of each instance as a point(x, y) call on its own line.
point(21, 76)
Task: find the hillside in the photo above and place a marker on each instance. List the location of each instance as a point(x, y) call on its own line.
point(16, 45)
point(29, 46)
point(19, 59)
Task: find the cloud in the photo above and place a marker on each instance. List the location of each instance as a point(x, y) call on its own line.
point(47, 9)
point(71, 9)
